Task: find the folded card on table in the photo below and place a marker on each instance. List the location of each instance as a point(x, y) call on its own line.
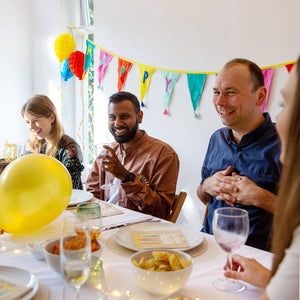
point(11, 291)
point(169, 239)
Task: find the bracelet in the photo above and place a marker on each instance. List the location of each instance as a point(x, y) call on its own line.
point(143, 180)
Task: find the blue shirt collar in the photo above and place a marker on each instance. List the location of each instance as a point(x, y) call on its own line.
point(252, 136)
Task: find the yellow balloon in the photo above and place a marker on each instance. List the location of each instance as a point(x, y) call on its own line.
point(34, 190)
point(64, 45)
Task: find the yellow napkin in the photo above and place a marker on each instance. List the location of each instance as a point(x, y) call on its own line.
point(11, 291)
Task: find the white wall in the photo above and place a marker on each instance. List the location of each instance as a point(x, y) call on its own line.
point(45, 67)
point(198, 35)
point(187, 135)
point(28, 30)
point(29, 66)
point(16, 68)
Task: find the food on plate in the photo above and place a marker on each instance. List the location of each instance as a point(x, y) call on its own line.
point(163, 261)
point(77, 242)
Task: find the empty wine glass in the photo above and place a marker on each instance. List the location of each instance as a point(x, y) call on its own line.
point(20, 150)
point(75, 251)
point(230, 229)
point(98, 149)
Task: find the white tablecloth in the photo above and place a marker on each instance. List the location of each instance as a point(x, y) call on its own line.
point(207, 267)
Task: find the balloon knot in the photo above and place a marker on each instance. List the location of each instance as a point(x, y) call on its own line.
point(142, 104)
point(165, 112)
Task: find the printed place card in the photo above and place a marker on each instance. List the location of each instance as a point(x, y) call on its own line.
point(10, 291)
point(169, 239)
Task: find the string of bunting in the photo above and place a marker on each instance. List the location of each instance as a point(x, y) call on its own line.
point(77, 63)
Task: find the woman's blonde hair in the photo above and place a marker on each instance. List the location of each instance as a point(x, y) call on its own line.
point(287, 209)
point(42, 106)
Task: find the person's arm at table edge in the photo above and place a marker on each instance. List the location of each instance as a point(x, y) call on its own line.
point(202, 195)
point(264, 296)
point(265, 200)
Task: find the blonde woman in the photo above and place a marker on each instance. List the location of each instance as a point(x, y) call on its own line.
point(47, 136)
point(282, 282)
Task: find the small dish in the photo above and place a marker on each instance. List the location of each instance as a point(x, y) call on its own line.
point(37, 249)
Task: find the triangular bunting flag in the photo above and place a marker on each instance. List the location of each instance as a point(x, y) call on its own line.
point(104, 60)
point(170, 79)
point(145, 77)
point(88, 54)
point(268, 74)
point(196, 84)
point(123, 69)
point(289, 67)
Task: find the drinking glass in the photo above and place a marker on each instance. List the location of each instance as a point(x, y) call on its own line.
point(75, 257)
point(92, 211)
point(98, 149)
point(9, 152)
point(20, 150)
point(230, 229)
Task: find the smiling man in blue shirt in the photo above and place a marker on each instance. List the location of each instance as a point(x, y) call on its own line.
point(241, 167)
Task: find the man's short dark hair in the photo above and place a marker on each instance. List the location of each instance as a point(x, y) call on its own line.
point(122, 96)
point(257, 76)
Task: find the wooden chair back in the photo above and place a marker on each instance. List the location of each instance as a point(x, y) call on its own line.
point(179, 200)
point(205, 213)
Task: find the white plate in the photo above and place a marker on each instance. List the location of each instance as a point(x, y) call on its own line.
point(20, 277)
point(79, 196)
point(123, 237)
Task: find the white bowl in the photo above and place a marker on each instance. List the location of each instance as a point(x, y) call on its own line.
point(158, 282)
point(37, 249)
point(53, 260)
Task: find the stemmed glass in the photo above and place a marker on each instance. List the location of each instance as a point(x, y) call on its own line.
point(230, 229)
point(98, 148)
point(75, 251)
point(92, 211)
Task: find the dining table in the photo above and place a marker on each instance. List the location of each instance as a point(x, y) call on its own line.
point(208, 262)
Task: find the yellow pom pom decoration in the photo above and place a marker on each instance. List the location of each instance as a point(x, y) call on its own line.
point(64, 45)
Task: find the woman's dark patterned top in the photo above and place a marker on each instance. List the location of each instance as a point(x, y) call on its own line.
point(70, 155)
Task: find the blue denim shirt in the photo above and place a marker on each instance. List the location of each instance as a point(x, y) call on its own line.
point(257, 157)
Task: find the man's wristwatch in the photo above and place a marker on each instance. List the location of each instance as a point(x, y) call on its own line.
point(129, 177)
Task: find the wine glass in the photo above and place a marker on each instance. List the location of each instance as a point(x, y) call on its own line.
point(92, 211)
point(75, 251)
point(98, 149)
point(20, 150)
point(230, 229)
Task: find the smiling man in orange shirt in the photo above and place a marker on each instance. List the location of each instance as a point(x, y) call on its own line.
point(144, 169)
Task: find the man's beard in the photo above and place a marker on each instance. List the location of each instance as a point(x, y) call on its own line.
point(126, 137)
